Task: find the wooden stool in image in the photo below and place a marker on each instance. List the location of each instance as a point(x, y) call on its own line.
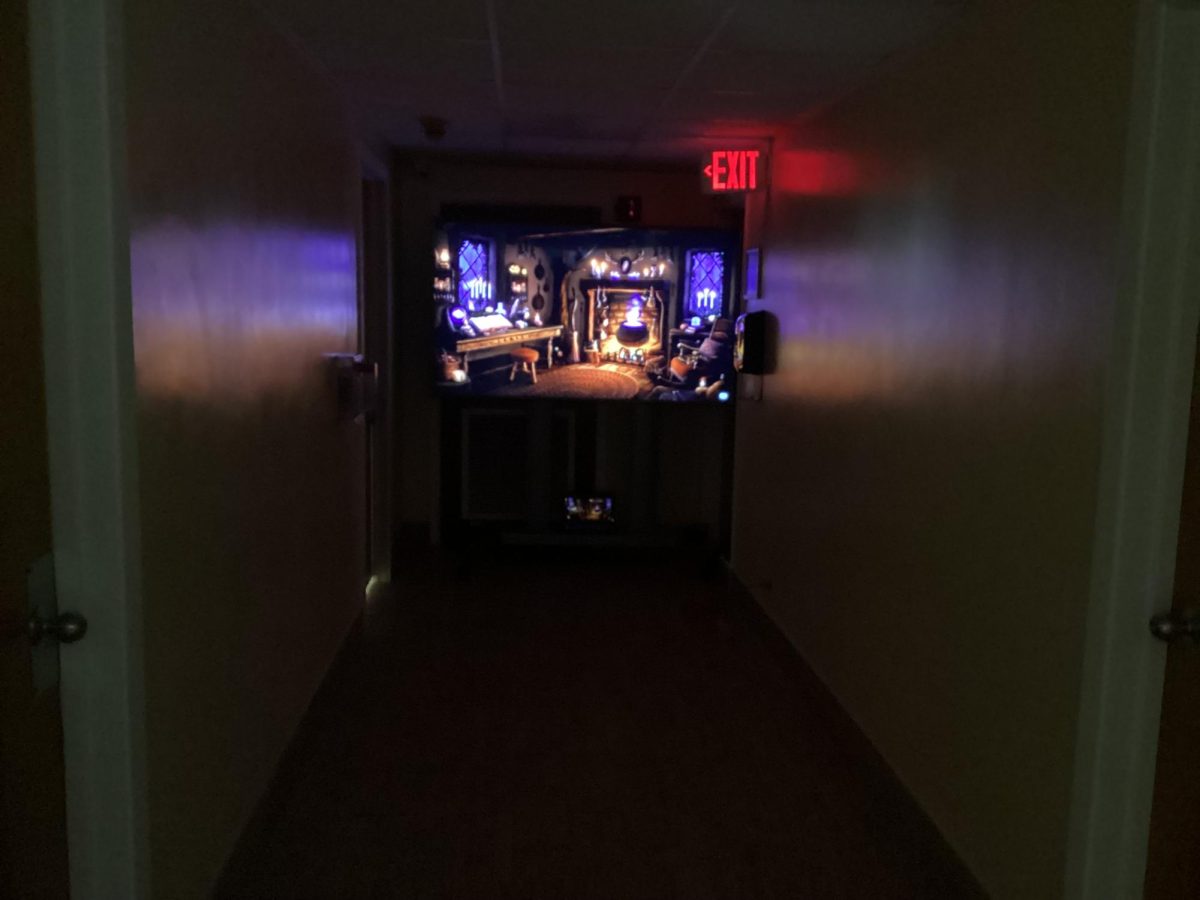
point(524, 358)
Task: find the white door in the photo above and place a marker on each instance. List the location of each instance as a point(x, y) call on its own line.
point(88, 355)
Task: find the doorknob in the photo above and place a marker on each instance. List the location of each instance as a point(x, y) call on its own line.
point(66, 628)
point(1176, 627)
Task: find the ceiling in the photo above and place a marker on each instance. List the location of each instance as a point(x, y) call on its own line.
point(620, 79)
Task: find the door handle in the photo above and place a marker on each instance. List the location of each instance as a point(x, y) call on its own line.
point(66, 628)
point(1176, 627)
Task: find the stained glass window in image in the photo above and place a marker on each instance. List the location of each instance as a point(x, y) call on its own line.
point(474, 279)
point(706, 283)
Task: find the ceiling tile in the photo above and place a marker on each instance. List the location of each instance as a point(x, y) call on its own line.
point(594, 100)
point(599, 75)
point(586, 26)
point(777, 73)
point(573, 125)
point(863, 28)
point(368, 23)
point(542, 146)
point(614, 71)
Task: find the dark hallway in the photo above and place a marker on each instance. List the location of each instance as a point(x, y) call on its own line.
point(691, 449)
point(581, 731)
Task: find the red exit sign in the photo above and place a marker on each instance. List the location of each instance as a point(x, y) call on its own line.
point(732, 170)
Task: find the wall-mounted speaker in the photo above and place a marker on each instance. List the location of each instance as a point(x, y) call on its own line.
point(750, 343)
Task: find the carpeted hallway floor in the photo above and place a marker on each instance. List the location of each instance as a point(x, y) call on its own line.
point(565, 729)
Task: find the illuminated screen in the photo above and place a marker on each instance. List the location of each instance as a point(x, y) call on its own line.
point(607, 314)
point(589, 509)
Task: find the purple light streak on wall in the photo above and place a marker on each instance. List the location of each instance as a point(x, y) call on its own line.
point(272, 298)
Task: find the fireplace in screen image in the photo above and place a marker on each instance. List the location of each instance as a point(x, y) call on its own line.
point(626, 323)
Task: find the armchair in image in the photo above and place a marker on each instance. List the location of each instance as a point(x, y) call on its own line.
point(720, 329)
point(710, 360)
point(669, 394)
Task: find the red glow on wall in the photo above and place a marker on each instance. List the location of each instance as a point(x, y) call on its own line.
point(818, 173)
point(732, 170)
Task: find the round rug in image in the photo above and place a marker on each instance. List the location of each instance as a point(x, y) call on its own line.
point(579, 381)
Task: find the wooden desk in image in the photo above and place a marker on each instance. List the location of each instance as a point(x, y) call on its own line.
point(503, 342)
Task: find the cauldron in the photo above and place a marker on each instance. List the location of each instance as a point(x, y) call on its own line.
point(633, 334)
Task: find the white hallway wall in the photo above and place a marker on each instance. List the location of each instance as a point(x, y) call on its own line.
point(244, 199)
point(915, 494)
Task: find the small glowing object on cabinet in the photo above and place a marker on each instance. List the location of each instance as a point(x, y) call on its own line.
point(458, 376)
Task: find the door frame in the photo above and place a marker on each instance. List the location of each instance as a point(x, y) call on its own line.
point(77, 76)
point(1141, 482)
point(376, 344)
